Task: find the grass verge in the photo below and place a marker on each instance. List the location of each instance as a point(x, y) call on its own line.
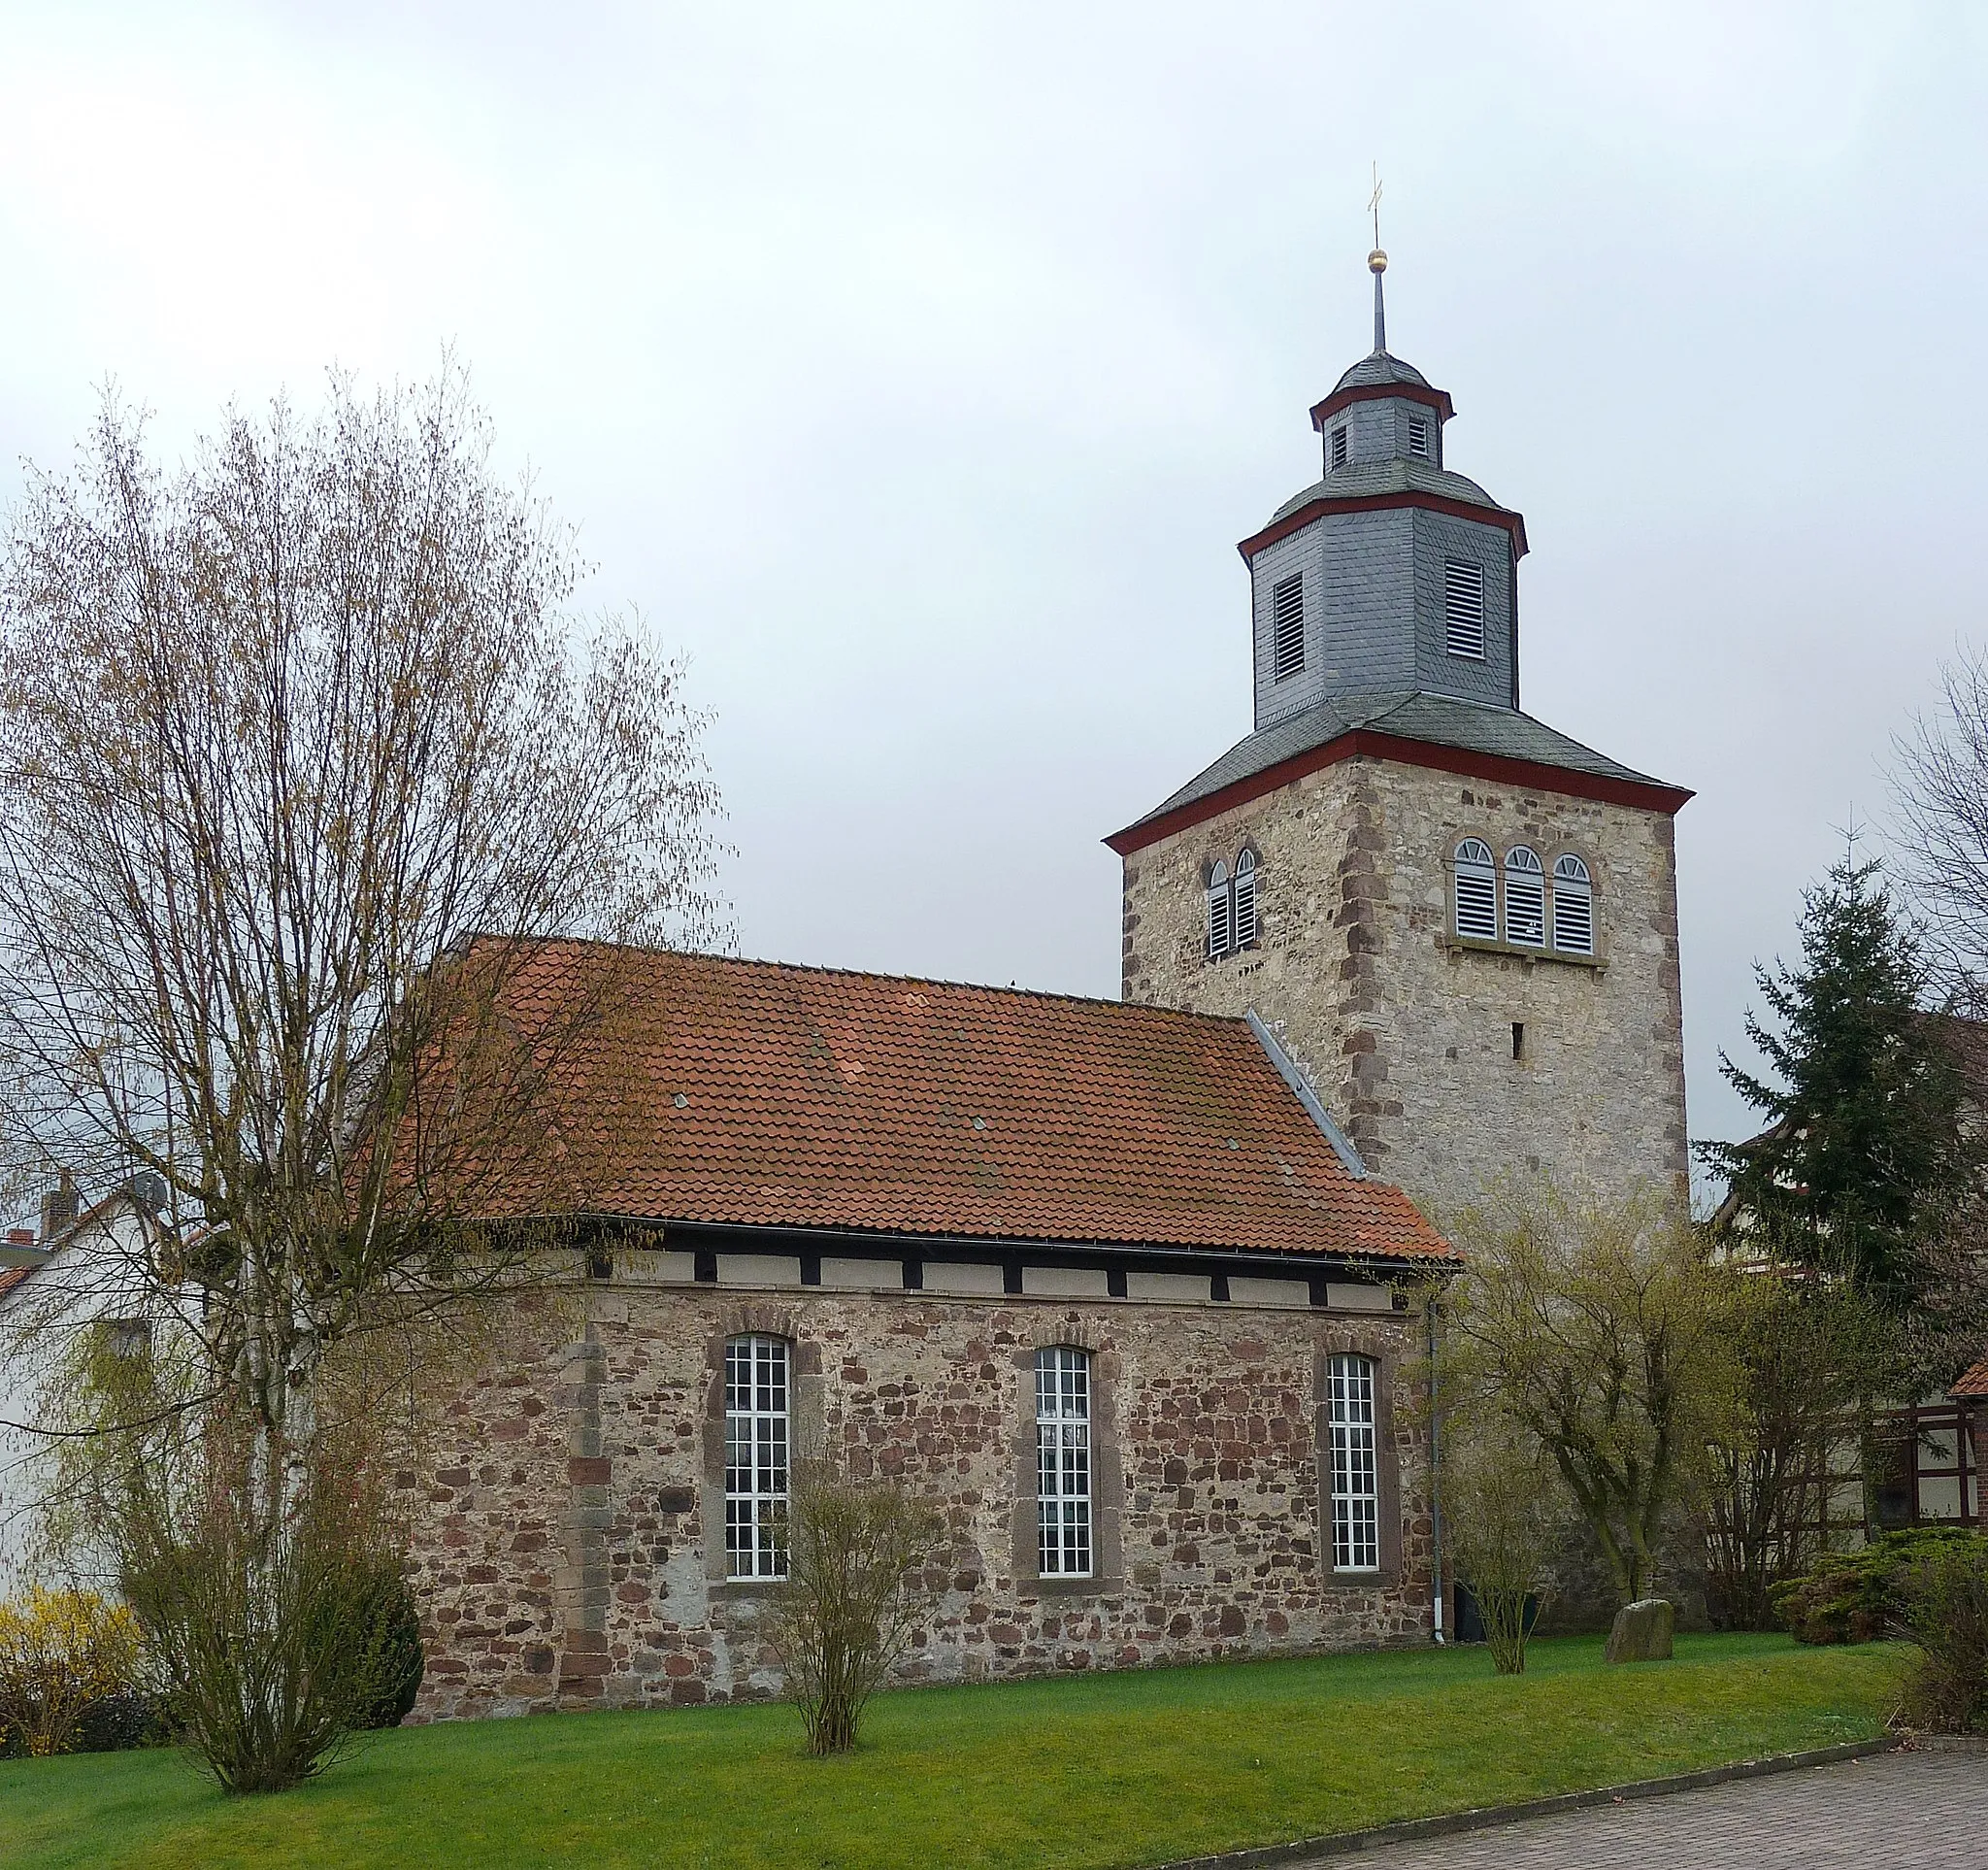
point(1096, 1771)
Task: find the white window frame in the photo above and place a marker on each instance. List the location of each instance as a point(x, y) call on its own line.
point(1243, 918)
point(1474, 914)
point(1355, 1454)
point(758, 1440)
point(1463, 608)
point(1222, 912)
point(1574, 905)
point(1525, 880)
point(1065, 1547)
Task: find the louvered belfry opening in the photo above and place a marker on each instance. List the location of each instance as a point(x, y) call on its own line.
point(1574, 907)
point(1339, 447)
point(1525, 898)
point(1232, 924)
point(1221, 915)
point(1418, 437)
point(1477, 891)
point(1288, 627)
point(1463, 608)
point(1244, 922)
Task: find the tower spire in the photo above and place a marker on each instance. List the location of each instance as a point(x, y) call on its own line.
point(1377, 264)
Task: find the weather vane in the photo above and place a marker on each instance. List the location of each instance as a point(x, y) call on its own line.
point(1377, 264)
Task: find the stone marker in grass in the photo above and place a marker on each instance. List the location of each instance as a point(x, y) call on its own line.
point(1641, 1632)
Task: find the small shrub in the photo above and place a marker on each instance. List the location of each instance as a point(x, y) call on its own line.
point(1946, 1594)
point(848, 1612)
point(63, 1654)
point(1498, 1534)
point(395, 1661)
point(1856, 1596)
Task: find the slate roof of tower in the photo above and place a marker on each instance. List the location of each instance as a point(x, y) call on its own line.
point(758, 1094)
point(1379, 367)
point(1443, 720)
point(1401, 475)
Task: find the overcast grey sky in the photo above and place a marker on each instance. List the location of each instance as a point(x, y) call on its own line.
point(916, 369)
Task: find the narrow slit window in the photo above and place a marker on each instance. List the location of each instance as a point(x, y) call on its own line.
point(1477, 891)
point(1063, 1462)
point(1355, 1467)
point(1339, 447)
point(1222, 912)
point(1525, 898)
point(1418, 437)
point(1243, 930)
point(1463, 608)
point(756, 1457)
point(1574, 907)
point(1288, 627)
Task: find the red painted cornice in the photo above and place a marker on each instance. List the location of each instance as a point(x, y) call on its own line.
point(1513, 522)
point(1649, 795)
point(1437, 399)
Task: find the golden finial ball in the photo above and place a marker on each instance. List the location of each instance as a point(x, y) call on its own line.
point(1376, 262)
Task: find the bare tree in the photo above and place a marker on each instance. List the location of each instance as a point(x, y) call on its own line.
point(301, 764)
point(1941, 825)
point(1603, 1335)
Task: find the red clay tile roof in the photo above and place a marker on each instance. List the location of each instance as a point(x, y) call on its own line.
point(12, 1276)
point(1974, 1383)
point(757, 1094)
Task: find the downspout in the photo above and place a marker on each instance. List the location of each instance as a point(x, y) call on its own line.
point(1435, 1477)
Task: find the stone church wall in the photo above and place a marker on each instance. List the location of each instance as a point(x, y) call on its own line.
point(569, 1551)
point(1407, 1032)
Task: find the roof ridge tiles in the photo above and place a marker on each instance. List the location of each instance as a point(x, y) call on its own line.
point(1136, 1007)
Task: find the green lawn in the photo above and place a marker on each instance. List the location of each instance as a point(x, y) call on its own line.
point(1098, 1770)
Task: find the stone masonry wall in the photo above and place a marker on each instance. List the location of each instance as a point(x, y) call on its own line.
point(1409, 1032)
point(569, 1551)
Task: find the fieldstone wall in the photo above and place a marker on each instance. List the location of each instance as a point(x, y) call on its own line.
point(1408, 1033)
point(569, 1548)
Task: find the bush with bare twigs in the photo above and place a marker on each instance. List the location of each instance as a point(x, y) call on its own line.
point(853, 1596)
point(1499, 1528)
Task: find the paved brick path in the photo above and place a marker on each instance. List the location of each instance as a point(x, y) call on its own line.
point(1899, 1811)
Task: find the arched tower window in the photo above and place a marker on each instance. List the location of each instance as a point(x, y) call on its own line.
point(1244, 922)
point(756, 1440)
point(1525, 897)
point(1574, 905)
point(1222, 912)
point(1477, 891)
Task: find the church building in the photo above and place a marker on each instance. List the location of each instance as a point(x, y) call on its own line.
point(1132, 1292)
point(1461, 922)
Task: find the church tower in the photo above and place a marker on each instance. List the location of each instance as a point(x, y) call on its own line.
point(1463, 924)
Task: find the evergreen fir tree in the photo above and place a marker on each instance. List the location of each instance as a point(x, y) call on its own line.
point(1864, 1147)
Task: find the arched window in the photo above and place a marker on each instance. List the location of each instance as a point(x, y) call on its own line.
point(1477, 891)
point(1244, 928)
point(1063, 1462)
point(1574, 905)
point(1525, 897)
point(1355, 1465)
point(756, 1437)
point(1222, 912)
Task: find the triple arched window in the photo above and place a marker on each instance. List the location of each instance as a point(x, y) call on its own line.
point(1511, 900)
point(1232, 922)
